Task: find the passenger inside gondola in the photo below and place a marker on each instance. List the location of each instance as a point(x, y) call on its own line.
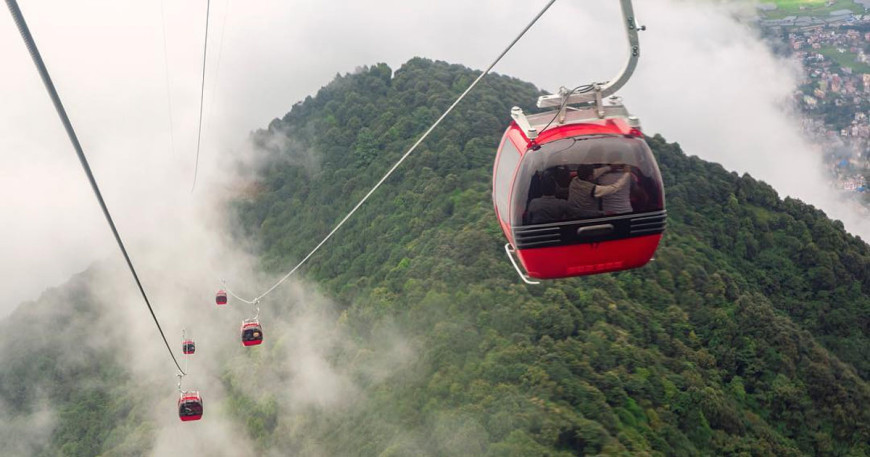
point(585, 195)
point(252, 334)
point(607, 176)
point(563, 180)
point(618, 201)
point(190, 408)
point(548, 208)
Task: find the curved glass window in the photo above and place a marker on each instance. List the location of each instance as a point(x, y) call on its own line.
point(504, 175)
point(586, 177)
point(190, 408)
point(252, 334)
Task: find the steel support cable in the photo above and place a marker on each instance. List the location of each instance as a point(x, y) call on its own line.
point(61, 112)
point(166, 73)
point(232, 294)
point(184, 349)
point(201, 96)
point(217, 68)
point(405, 156)
point(251, 302)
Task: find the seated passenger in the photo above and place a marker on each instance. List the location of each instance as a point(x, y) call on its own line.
point(534, 187)
point(584, 195)
point(619, 201)
point(563, 180)
point(548, 208)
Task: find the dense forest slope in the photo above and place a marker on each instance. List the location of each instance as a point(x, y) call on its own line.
point(63, 388)
point(747, 335)
point(749, 332)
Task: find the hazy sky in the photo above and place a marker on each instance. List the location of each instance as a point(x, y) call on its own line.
point(703, 80)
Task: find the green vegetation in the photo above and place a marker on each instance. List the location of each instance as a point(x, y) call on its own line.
point(747, 336)
point(845, 59)
point(818, 8)
point(798, 5)
point(52, 362)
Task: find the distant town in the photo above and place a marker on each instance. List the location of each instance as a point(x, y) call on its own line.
point(834, 47)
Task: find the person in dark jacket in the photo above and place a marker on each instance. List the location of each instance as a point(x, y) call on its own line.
point(548, 208)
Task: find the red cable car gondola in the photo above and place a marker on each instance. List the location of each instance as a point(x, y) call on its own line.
point(190, 406)
point(577, 190)
point(188, 346)
point(221, 297)
point(252, 333)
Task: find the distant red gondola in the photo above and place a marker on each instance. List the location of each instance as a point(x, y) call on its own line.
point(190, 406)
point(188, 347)
point(221, 297)
point(252, 333)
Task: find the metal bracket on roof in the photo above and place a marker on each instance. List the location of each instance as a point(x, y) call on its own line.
point(523, 123)
point(599, 107)
point(563, 94)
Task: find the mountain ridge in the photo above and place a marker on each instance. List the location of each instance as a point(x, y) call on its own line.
point(744, 337)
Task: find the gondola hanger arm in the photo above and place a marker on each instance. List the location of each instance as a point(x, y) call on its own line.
point(604, 90)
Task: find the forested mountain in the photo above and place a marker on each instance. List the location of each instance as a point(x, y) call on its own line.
point(63, 387)
point(747, 335)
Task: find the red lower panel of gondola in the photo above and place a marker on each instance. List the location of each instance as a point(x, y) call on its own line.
point(190, 418)
point(588, 259)
point(252, 343)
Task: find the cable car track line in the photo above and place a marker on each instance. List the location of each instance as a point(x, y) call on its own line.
point(201, 96)
point(405, 156)
point(217, 68)
point(166, 73)
point(252, 302)
point(61, 112)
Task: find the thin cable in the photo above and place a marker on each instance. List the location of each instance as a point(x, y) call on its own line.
point(55, 98)
point(408, 153)
point(184, 350)
point(251, 302)
point(166, 73)
point(232, 294)
point(582, 89)
point(216, 74)
point(201, 96)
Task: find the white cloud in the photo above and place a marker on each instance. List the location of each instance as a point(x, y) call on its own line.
point(704, 80)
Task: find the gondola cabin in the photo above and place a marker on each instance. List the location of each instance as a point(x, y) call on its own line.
point(580, 196)
point(188, 347)
point(190, 406)
point(221, 297)
point(252, 333)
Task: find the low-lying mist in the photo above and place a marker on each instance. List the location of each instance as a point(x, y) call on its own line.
point(705, 80)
